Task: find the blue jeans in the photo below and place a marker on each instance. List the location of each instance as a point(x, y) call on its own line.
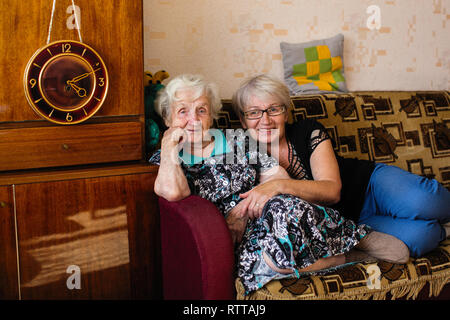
point(407, 206)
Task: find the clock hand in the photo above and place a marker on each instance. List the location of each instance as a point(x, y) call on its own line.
point(80, 91)
point(82, 76)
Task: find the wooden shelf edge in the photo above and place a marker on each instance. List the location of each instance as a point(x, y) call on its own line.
point(94, 120)
point(35, 176)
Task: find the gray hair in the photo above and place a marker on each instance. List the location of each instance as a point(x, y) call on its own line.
point(196, 83)
point(261, 86)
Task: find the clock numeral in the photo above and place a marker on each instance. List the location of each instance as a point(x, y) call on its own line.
point(50, 114)
point(66, 47)
point(101, 82)
point(32, 83)
point(69, 117)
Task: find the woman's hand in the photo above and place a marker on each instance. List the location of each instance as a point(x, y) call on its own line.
point(171, 182)
point(237, 222)
point(171, 143)
point(271, 183)
point(255, 199)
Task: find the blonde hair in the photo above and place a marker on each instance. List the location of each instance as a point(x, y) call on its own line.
point(261, 86)
point(167, 96)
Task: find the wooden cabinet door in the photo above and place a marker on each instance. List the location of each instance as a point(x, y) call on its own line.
point(88, 238)
point(9, 288)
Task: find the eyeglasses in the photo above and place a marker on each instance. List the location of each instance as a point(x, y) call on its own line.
point(271, 111)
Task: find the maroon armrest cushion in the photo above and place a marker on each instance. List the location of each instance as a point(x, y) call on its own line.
point(197, 251)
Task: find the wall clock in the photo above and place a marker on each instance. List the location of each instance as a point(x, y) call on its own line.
point(66, 82)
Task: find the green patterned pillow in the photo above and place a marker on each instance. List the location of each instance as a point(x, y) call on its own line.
point(314, 66)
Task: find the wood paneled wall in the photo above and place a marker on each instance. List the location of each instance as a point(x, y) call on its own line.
point(116, 132)
point(112, 27)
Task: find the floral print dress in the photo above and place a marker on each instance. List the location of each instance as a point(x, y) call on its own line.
point(292, 233)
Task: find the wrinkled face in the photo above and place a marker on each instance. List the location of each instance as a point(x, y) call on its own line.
point(191, 113)
point(267, 128)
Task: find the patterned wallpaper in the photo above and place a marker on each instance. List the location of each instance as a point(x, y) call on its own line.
point(389, 44)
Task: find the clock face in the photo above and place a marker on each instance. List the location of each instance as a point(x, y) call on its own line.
point(66, 82)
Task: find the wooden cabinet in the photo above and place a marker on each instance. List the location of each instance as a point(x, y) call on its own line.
point(93, 235)
point(8, 255)
point(78, 215)
point(115, 133)
point(24, 148)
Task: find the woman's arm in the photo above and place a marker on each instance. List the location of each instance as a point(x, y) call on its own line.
point(237, 222)
point(256, 198)
point(171, 183)
point(323, 190)
point(325, 171)
point(237, 218)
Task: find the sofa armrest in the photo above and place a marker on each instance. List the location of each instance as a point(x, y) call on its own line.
point(197, 250)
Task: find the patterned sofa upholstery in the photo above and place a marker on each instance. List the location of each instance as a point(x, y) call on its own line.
point(406, 129)
point(361, 281)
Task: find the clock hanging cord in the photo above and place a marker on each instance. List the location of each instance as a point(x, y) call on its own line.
point(51, 21)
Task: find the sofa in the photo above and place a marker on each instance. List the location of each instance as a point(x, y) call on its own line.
point(406, 129)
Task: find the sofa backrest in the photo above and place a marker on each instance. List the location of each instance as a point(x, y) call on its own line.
point(406, 129)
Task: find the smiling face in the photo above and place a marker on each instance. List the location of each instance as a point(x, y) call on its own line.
point(267, 128)
point(191, 113)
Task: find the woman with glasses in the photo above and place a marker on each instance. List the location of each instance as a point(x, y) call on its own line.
point(292, 235)
point(392, 201)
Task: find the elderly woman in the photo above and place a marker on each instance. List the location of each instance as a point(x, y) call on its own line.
point(411, 208)
point(291, 235)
